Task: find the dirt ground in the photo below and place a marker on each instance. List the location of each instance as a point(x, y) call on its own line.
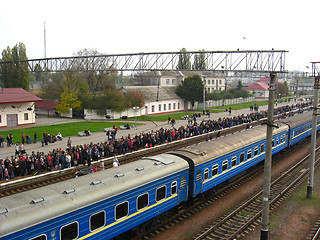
point(292, 220)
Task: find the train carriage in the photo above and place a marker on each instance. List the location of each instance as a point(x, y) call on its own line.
point(216, 161)
point(301, 127)
point(96, 206)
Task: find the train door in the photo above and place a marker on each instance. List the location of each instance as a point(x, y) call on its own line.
point(183, 191)
point(198, 182)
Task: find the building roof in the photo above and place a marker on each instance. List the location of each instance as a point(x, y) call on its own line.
point(258, 86)
point(46, 105)
point(150, 92)
point(16, 95)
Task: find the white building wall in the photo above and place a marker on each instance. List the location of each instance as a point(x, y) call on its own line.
point(24, 115)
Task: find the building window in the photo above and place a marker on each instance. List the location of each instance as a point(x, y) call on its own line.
point(159, 108)
point(219, 81)
point(69, 231)
point(208, 90)
point(97, 220)
point(174, 108)
point(212, 81)
point(208, 82)
point(167, 81)
point(173, 82)
point(204, 82)
point(143, 201)
point(169, 106)
point(164, 107)
point(26, 116)
point(178, 105)
point(152, 108)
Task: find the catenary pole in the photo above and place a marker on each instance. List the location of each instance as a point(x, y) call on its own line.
point(313, 136)
point(267, 162)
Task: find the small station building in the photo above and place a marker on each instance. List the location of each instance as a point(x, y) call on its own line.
point(17, 107)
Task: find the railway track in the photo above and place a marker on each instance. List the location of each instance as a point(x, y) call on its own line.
point(245, 217)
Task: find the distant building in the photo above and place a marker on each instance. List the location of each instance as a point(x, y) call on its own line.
point(259, 89)
point(46, 108)
point(17, 107)
point(158, 99)
point(213, 81)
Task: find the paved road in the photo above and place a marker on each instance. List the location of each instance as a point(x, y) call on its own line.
point(97, 137)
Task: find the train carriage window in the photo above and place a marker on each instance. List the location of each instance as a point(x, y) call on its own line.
point(296, 133)
point(256, 151)
point(97, 220)
point(277, 141)
point(174, 187)
point(214, 170)
point(262, 148)
point(198, 178)
point(248, 154)
point(233, 161)
point(142, 201)
point(272, 142)
point(206, 173)
point(42, 237)
point(281, 139)
point(161, 193)
point(69, 231)
point(122, 210)
point(183, 182)
point(224, 165)
point(241, 157)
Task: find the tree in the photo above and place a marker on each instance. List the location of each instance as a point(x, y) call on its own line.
point(199, 61)
point(68, 100)
point(282, 89)
point(191, 89)
point(97, 80)
point(184, 60)
point(16, 74)
point(239, 86)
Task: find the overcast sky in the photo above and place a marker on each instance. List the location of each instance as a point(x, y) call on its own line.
point(131, 26)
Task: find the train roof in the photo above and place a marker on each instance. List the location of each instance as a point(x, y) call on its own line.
point(297, 119)
point(28, 208)
point(203, 151)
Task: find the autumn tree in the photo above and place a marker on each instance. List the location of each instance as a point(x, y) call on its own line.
point(68, 100)
point(191, 89)
point(16, 73)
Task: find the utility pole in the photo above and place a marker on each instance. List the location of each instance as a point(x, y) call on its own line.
point(45, 40)
point(204, 94)
point(313, 136)
point(267, 162)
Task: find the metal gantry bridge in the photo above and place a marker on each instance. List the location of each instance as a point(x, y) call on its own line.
point(246, 61)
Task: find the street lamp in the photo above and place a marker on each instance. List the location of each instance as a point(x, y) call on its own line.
point(136, 108)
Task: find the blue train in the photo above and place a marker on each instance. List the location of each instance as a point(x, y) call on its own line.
point(107, 203)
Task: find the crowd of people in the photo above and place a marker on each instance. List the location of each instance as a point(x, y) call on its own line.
point(27, 164)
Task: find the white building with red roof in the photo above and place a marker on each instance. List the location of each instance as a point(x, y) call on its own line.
point(17, 107)
point(259, 89)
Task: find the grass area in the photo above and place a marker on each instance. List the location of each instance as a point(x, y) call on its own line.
point(66, 129)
